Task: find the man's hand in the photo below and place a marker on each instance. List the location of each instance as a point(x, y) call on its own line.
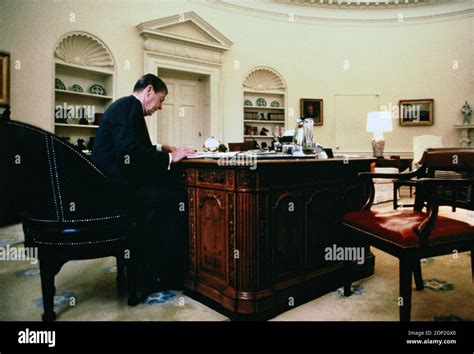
point(168, 148)
point(181, 153)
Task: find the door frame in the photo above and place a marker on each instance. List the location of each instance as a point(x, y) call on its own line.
point(214, 122)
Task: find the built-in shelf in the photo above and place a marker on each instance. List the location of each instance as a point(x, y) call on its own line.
point(464, 126)
point(105, 72)
point(83, 94)
point(265, 121)
point(269, 108)
point(267, 92)
point(81, 59)
point(264, 102)
point(259, 136)
point(466, 138)
point(76, 126)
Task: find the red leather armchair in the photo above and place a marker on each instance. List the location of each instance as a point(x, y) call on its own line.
point(414, 234)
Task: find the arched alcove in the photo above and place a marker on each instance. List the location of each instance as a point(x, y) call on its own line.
point(264, 105)
point(84, 77)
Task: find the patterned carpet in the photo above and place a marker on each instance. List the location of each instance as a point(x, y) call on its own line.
point(86, 291)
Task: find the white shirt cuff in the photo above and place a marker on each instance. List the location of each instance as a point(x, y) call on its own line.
point(169, 164)
point(159, 147)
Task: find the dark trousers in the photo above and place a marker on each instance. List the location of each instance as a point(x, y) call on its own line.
point(161, 212)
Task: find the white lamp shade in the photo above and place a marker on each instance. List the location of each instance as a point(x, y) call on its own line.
point(379, 122)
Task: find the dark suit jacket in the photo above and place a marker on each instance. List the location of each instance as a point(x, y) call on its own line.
point(123, 148)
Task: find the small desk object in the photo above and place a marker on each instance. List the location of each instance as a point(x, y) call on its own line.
point(259, 235)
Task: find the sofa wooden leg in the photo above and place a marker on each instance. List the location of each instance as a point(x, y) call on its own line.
point(406, 270)
point(121, 280)
point(132, 274)
point(48, 270)
point(418, 275)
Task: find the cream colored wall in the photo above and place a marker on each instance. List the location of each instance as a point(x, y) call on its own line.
point(405, 61)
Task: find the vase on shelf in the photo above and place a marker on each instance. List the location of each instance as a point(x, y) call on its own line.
point(466, 111)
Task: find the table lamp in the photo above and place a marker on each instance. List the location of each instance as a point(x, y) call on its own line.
point(377, 123)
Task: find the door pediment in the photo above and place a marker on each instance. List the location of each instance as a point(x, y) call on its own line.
point(190, 31)
point(187, 28)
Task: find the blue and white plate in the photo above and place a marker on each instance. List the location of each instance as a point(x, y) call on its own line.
point(59, 85)
point(97, 90)
point(261, 102)
point(77, 88)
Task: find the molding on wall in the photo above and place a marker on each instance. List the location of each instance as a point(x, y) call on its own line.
point(331, 15)
point(179, 50)
point(364, 4)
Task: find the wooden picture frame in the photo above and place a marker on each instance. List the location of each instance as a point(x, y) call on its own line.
point(4, 79)
point(416, 112)
point(316, 112)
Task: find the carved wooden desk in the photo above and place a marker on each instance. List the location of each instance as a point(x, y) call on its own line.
point(257, 238)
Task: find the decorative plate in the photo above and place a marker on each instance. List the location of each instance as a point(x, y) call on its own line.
point(248, 103)
point(275, 104)
point(59, 85)
point(261, 102)
point(97, 90)
point(77, 88)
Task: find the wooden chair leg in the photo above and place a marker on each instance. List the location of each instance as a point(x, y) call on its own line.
point(48, 270)
point(395, 195)
point(406, 269)
point(418, 275)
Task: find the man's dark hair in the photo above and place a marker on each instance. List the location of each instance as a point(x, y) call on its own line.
point(153, 80)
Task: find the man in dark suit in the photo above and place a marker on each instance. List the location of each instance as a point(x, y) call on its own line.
point(124, 151)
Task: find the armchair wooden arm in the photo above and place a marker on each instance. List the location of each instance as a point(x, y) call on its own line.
point(369, 176)
point(428, 186)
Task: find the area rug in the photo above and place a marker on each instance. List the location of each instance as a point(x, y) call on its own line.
point(87, 291)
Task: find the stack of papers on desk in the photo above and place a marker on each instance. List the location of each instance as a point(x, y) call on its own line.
point(213, 155)
point(345, 155)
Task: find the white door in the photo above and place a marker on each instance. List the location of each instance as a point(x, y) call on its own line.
point(181, 121)
point(351, 119)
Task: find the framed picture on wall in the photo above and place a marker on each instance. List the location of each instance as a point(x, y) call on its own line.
point(4, 78)
point(416, 112)
point(312, 108)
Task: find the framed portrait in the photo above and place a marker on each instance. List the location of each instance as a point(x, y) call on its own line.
point(4, 79)
point(312, 108)
point(416, 112)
